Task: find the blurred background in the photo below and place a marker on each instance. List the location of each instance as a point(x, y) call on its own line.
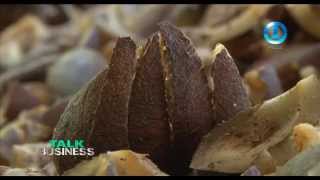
point(48, 52)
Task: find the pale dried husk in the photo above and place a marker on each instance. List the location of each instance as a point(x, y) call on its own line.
point(232, 147)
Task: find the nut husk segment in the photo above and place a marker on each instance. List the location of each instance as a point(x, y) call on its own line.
point(148, 124)
point(99, 112)
point(229, 94)
point(187, 94)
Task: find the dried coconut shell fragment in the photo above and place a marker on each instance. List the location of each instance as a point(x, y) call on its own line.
point(233, 146)
point(187, 93)
point(98, 113)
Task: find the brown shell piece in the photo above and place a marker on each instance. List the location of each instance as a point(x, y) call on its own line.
point(187, 94)
point(229, 94)
point(148, 124)
point(98, 113)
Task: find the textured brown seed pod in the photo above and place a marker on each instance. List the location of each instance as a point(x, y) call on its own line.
point(229, 94)
point(148, 126)
point(99, 112)
point(162, 107)
point(187, 94)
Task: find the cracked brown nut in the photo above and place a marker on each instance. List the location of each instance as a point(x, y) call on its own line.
point(229, 94)
point(155, 100)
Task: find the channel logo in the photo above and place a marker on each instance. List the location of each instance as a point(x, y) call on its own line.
point(67, 148)
point(275, 33)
